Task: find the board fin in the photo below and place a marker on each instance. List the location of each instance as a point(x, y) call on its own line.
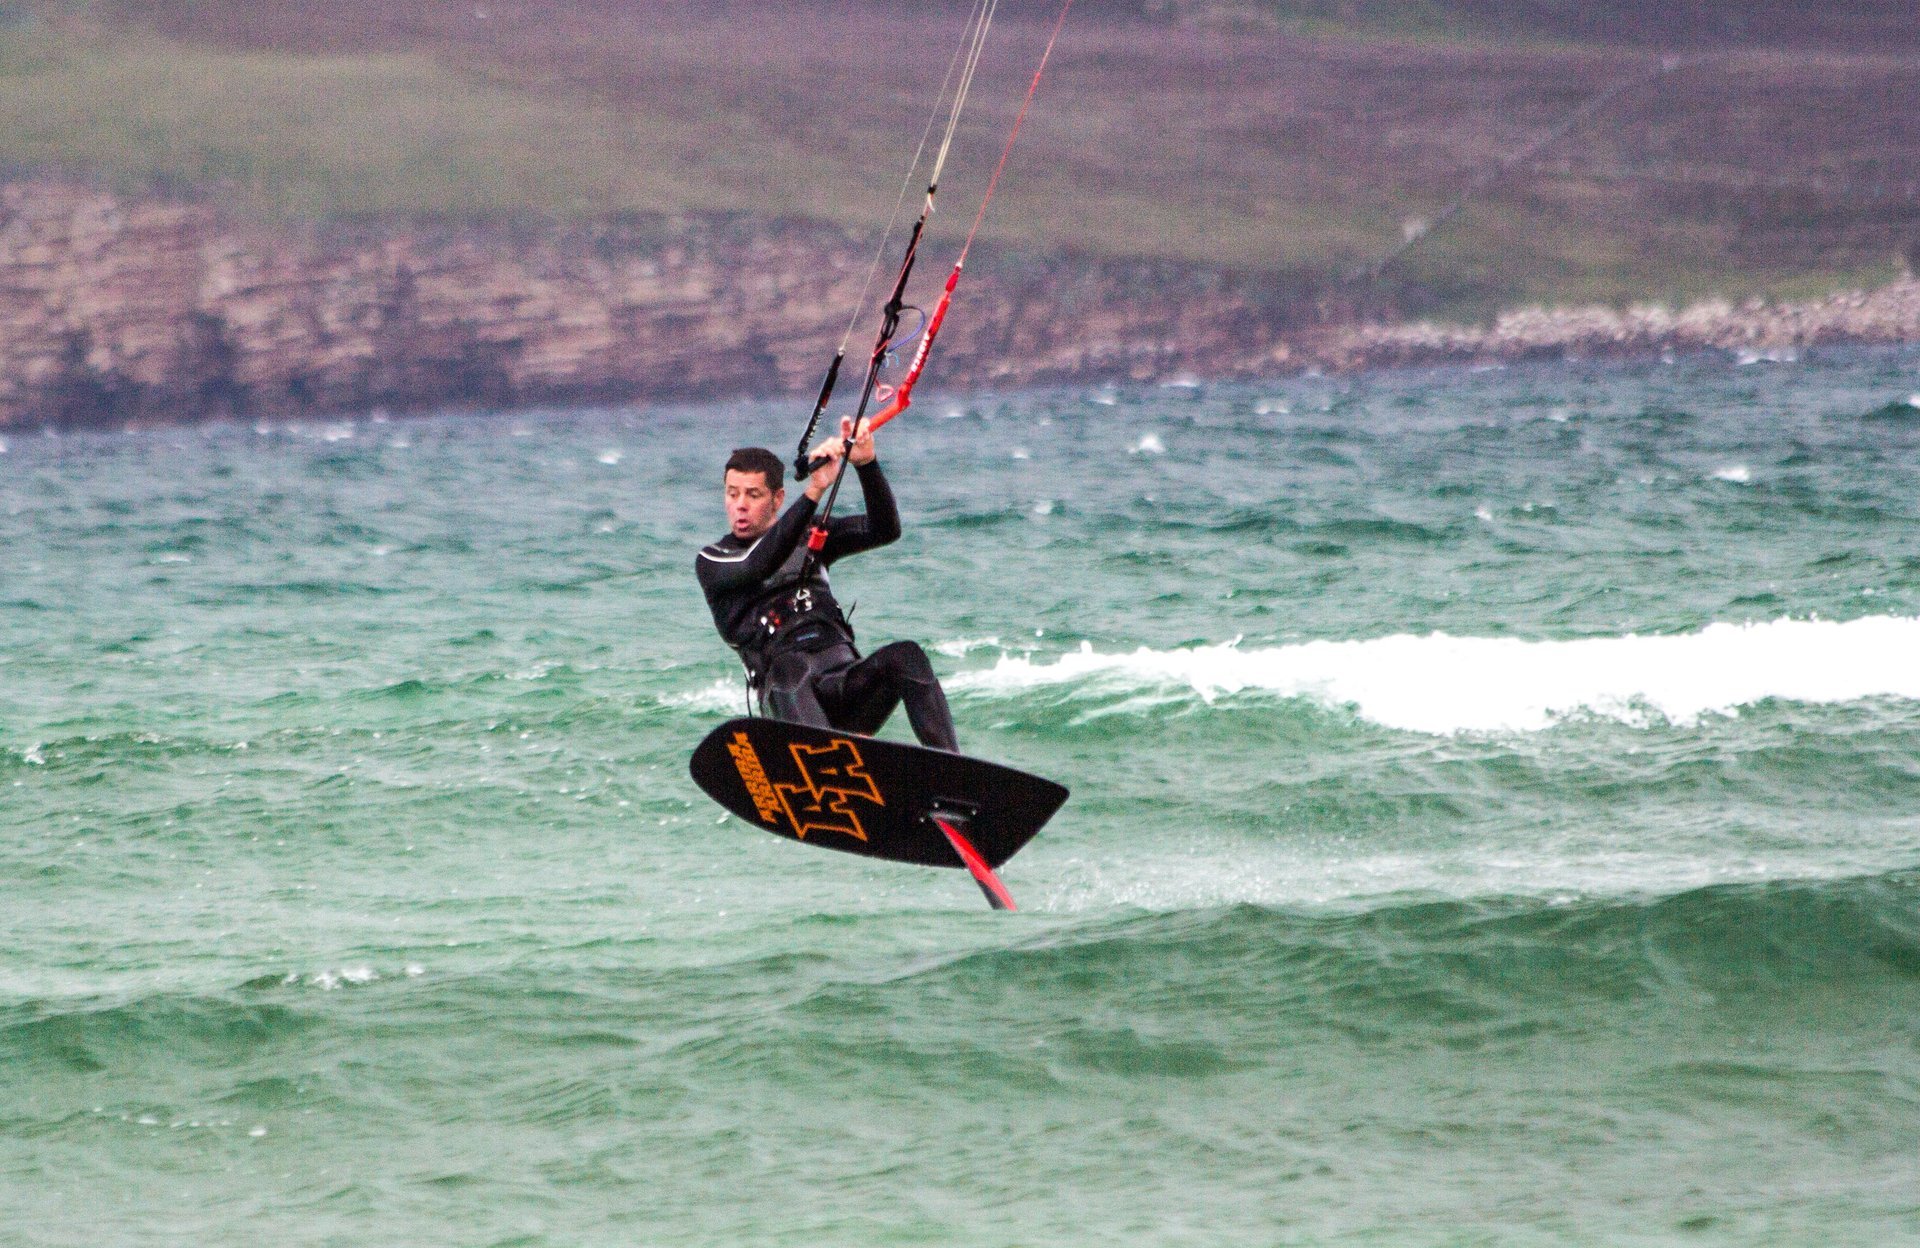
point(997, 895)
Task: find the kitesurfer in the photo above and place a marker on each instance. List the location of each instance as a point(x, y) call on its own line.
point(773, 604)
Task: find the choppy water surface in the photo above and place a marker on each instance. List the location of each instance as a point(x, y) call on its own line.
point(1496, 820)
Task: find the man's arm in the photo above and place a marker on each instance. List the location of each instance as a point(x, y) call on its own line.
point(849, 535)
point(881, 524)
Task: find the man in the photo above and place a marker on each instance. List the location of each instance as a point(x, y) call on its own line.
point(786, 626)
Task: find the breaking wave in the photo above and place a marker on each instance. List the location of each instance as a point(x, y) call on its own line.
point(1442, 684)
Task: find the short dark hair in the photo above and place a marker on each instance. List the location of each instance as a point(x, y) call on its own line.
point(758, 459)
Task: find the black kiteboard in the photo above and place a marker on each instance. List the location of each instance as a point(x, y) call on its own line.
point(862, 795)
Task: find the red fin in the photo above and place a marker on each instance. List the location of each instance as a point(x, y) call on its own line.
point(997, 895)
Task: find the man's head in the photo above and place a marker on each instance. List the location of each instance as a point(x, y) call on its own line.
point(753, 479)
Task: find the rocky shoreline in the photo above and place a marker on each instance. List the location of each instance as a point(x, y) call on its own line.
point(116, 311)
point(1755, 329)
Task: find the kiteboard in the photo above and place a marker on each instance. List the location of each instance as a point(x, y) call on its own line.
point(878, 799)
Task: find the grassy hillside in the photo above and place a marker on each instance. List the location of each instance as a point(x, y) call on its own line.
point(1788, 159)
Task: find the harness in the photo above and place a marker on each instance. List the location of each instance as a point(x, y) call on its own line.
point(794, 618)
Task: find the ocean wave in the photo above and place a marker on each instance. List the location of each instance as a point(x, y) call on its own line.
point(1203, 992)
point(89, 1037)
point(1442, 684)
point(1165, 995)
point(1902, 411)
point(115, 752)
point(1537, 952)
point(1472, 971)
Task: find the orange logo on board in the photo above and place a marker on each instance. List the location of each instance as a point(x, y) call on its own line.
point(833, 780)
point(766, 803)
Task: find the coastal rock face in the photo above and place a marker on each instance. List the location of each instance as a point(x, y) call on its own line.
point(149, 310)
point(114, 310)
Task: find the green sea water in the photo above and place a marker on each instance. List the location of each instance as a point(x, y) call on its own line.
point(1496, 820)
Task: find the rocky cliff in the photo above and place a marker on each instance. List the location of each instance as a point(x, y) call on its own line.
point(115, 311)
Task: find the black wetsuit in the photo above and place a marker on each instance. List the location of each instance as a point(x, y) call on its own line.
point(793, 637)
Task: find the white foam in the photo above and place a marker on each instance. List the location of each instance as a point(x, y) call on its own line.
point(722, 696)
point(331, 980)
point(1739, 474)
point(1441, 684)
point(960, 647)
point(1149, 444)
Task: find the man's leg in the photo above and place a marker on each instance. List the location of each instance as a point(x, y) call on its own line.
point(863, 695)
point(788, 692)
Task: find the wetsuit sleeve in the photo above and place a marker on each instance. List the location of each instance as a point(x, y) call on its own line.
point(881, 525)
point(759, 561)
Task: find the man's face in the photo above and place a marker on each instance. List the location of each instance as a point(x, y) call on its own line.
point(751, 506)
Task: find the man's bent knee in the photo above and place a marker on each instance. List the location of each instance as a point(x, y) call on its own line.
point(907, 658)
